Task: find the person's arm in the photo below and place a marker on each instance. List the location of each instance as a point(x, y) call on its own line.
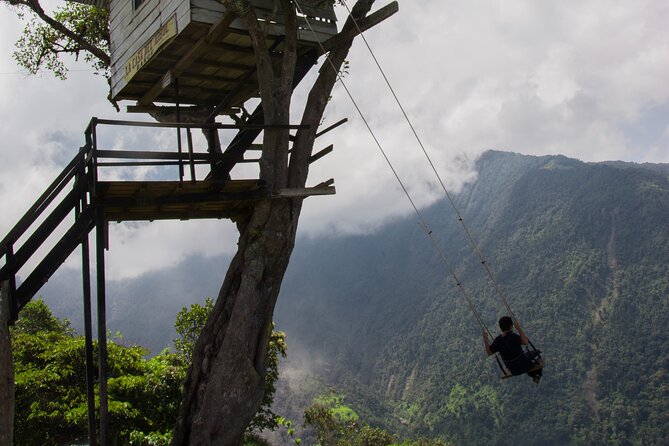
point(486, 343)
point(524, 340)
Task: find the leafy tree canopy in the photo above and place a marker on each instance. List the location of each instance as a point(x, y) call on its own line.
point(144, 394)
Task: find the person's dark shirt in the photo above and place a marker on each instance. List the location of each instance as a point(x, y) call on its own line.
point(508, 346)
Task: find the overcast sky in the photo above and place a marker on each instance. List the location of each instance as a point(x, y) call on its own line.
point(586, 79)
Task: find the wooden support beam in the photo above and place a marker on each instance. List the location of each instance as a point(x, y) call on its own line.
point(364, 24)
point(305, 192)
point(149, 155)
point(199, 77)
point(100, 244)
point(6, 369)
point(215, 34)
point(196, 110)
point(332, 127)
point(229, 47)
point(325, 183)
point(211, 62)
point(318, 155)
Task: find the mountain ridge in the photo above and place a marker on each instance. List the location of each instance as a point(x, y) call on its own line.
point(568, 242)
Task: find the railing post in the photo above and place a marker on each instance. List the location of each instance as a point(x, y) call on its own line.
point(83, 184)
point(191, 162)
point(11, 283)
point(92, 143)
point(179, 149)
point(100, 242)
point(6, 369)
point(100, 245)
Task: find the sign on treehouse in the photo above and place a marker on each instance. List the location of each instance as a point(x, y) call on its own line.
point(166, 32)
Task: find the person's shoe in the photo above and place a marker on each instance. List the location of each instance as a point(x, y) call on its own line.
point(536, 379)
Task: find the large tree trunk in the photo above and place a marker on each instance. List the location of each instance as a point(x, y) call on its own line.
point(6, 371)
point(225, 384)
point(226, 381)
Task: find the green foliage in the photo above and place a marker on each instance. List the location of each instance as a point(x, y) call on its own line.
point(336, 424)
point(189, 323)
point(333, 422)
point(36, 317)
point(143, 394)
point(50, 373)
point(265, 418)
point(41, 46)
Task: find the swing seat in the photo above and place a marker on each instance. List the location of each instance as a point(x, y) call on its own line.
point(538, 366)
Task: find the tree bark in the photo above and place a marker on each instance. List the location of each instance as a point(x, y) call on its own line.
point(225, 383)
point(6, 371)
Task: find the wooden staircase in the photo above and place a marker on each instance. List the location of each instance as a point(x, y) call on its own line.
point(95, 202)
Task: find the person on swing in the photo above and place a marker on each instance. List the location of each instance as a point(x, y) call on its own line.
point(509, 345)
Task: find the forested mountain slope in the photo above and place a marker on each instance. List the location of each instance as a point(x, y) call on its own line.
point(580, 249)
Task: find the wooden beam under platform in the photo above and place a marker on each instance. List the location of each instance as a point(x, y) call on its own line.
point(170, 200)
point(324, 188)
point(167, 200)
point(185, 111)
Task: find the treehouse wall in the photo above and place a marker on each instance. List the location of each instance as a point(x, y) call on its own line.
point(131, 28)
point(146, 41)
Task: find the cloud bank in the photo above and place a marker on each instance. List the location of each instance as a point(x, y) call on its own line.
point(585, 79)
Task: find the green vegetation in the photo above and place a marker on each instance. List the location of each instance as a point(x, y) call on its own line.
point(144, 394)
point(78, 30)
point(336, 424)
point(51, 405)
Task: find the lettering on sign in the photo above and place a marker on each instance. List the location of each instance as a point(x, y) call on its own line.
point(144, 54)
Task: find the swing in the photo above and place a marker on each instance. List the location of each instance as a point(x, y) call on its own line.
point(531, 353)
point(539, 362)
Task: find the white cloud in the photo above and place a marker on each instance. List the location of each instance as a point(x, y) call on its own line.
point(580, 78)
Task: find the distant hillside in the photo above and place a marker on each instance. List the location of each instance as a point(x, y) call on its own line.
point(581, 250)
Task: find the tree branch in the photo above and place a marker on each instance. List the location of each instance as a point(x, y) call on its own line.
point(349, 33)
point(35, 6)
point(319, 96)
point(289, 46)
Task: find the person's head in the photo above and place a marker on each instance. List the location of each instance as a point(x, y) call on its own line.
point(505, 323)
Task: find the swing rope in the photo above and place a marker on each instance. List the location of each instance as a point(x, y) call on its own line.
point(466, 229)
point(422, 222)
point(468, 233)
point(470, 238)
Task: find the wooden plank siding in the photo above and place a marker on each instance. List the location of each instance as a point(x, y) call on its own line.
point(215, 72)
point(136, 27)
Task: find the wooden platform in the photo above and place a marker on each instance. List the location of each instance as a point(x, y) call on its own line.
point(174, 200)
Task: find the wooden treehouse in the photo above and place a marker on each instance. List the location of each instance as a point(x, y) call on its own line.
point(173, 59)
point(200, 45)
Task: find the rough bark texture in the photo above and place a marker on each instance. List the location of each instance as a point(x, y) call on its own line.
point(6, 372)
point(225, 384)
